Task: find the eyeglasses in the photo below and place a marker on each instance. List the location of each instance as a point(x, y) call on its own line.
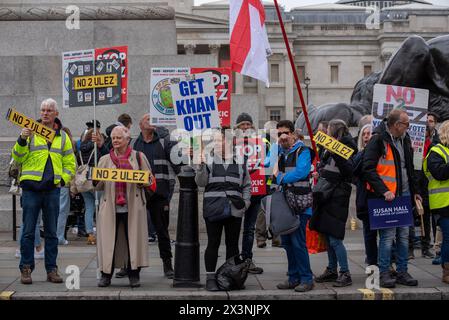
point(280, 133)
point(47, 110)
point(407, 124)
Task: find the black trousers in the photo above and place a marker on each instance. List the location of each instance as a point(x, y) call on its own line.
point(231, 227)
point(160, 216)
point(122, 218)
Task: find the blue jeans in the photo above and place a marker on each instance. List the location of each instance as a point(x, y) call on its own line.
point(249, 226)
point(64, 210)
point(444, 225)
point(297, 255)
point(37, 233)
point(89, 204)
point(387, 236)
point(370, 239)
point(32, 203)
point(336, 253)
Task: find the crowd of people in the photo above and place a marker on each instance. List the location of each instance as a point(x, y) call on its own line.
point(132, 214)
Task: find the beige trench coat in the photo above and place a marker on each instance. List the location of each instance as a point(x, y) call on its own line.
point(137, 219)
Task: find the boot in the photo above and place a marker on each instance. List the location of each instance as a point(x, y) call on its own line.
point(254, 270)
point(446, 272)
point(91, 239)
point(343, 280)
point(328, 276)
point(211, 282)
point(168, 269)
point(105, 280)
point(386, 280)
point(25, 275)
point(134, 278)
point(54, 277)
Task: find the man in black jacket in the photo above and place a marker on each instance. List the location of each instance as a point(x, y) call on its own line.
point(388, 168)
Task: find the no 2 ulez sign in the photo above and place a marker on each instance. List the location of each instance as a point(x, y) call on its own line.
point(120, 175)
point(25, 122)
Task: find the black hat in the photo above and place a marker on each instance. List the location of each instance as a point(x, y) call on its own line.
point(90, 124)
point(243, 117)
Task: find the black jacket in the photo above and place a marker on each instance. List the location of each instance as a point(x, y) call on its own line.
point(440, 171)
point(86, 149)
point(330, 210)
point(376, 149)
point(361, 201)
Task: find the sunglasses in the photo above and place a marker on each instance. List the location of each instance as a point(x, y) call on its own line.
point(280, 133)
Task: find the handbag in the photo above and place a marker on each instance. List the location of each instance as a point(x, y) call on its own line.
point(233, 273)
point(81, 182)
point(298, 202)
point(280, 218)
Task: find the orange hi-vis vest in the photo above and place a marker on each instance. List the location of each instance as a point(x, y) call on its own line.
point(386, 170)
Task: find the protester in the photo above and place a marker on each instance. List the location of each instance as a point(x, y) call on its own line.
point(123, 120)
point(292, 172)
point(261, 225)
point(436, 168)
point(87, 156)
point(388, 169)
point(245, 130)
point(331, 213)
point(122, 230)
point(227, 196)
point(158, 151)
point(64, 202)
point(45, 168)
point(322, 127)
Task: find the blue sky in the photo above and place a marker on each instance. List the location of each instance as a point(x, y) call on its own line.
point(297, 3)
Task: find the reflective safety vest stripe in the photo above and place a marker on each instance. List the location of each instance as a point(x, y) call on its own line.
point(288, 165)
point(386, 170)
point(33, 158)
point(438, 190)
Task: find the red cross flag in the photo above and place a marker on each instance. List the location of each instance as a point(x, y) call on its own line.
point(248, 39)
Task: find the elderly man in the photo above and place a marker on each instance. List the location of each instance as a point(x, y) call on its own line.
point(46, 166)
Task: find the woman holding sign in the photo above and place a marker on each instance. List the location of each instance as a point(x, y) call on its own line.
point(436, 168)
point(331, 207)
point(122, 231)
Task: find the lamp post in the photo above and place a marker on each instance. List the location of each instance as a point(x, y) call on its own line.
point(307, 82)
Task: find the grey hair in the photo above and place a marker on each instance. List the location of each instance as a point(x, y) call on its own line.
point(51, 103)
point(124, 130)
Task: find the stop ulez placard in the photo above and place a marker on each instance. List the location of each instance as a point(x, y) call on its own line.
point(120, 175)
point(333, 145)
point(37, 128)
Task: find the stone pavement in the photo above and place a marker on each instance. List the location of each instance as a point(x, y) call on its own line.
point(258, 287)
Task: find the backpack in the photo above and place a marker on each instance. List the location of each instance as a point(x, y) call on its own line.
point(81, 182)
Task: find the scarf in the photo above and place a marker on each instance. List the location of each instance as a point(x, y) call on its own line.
point(121, 162)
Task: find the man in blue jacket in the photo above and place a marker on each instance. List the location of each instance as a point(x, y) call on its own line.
point(292, 170)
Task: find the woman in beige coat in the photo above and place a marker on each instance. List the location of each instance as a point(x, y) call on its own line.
point(122, 231)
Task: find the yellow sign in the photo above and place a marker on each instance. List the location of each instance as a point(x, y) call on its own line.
point(23, 121)
point(120, 175)
point(99, 81)
point(333, 145)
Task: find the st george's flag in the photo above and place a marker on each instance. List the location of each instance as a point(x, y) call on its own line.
point(248, 39)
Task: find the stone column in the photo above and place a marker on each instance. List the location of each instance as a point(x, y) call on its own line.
point(385, 57)
point(238, 83)
point(215, 51)
point(190, 49)
point(288, 82)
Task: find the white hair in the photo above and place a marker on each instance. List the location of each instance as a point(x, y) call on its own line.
point(124, 130)
point(50, 103)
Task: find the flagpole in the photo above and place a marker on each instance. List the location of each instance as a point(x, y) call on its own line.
point(298, 84)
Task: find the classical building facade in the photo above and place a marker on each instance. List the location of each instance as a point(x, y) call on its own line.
point(334, 46)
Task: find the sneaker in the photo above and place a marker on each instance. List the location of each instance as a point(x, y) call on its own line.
point(91, 239)
point(82, 234)
point(39, 254)
point(152, 238)
point(254, 270)
point(386, 280)
point(261, 244)
point(406, 279)
point(427, 254)
point(122, 273)
point(343, 280)
point(63, 242)
point(54, 277)
point(17, 254)
point(304, 287)
point(437, 260)
point(286, 285)
point(105, 281)
point(25, 275)
point(327, 276)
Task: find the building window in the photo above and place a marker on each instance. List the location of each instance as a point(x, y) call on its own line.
point(334, 73)
point(274, 73)
point(367, 69)
point(301, 73)
point(275, 115)
point(249, 85)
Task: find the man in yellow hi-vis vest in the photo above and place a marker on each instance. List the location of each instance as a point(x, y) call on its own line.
point(46, 166)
